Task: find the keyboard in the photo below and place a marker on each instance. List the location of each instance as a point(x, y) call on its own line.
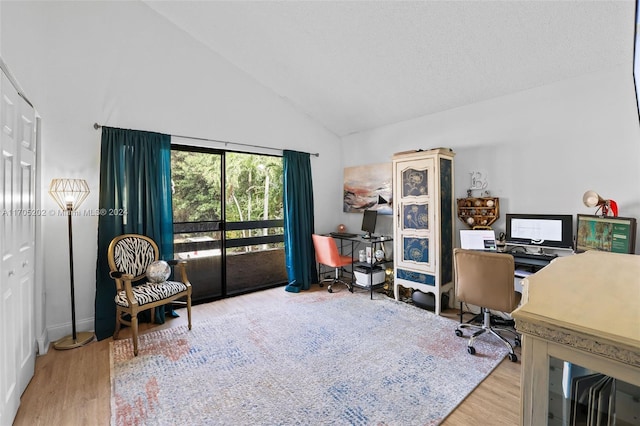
point(548, 257)
point(343, 234)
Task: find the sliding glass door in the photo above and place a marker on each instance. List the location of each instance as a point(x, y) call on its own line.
point(228, 222)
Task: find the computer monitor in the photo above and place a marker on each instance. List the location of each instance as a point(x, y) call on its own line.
point(369, 218)
point(541, 230)
point(606, 233)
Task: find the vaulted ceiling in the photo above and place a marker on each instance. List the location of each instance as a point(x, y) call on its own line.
point(358, 65)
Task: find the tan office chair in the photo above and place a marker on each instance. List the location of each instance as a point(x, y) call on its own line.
point(485, 280)
point(129, 256)
point(327, 254)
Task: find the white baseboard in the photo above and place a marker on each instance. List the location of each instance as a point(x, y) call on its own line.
point(43, 342)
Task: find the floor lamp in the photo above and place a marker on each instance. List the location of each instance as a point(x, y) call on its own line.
point(69, 194)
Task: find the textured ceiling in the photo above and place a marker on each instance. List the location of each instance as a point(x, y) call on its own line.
point(358, 65)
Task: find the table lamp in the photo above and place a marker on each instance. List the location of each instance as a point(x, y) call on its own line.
point(69, 194)
point(592, 199)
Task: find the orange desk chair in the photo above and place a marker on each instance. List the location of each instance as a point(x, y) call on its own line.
point(327, 254)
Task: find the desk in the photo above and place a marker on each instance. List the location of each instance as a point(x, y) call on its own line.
point(581, 310)
point(527, 263)
point(374, 243)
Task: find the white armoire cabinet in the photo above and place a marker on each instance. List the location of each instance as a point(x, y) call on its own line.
point(423, 222)
point(17, 246)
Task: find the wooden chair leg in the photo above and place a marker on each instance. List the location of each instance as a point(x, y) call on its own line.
point(134, 329)
point(189, 310)
point(118, 324)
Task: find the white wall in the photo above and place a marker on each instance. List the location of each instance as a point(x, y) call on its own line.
point(542, 148)
point(122, 65)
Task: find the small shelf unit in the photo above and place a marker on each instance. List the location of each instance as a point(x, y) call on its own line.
point(478, 212)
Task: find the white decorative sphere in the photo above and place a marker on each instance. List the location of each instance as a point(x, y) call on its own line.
point(379, 254)
point(470, 220)
point(158, 271)
point(489, 203)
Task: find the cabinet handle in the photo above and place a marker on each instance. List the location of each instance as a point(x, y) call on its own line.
point(25, 263)
point(11, 273)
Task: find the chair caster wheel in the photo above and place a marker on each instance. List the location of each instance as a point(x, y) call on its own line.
point(320, 285)
point(330, 290)
point(471, 350)
point(517, 342)
point(458, 333)
point(351, 289)
point(513, 357)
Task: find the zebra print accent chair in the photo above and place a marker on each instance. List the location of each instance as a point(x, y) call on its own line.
point(129, 255)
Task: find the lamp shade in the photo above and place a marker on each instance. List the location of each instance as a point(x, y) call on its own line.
point(69, 193)
point(593, 199)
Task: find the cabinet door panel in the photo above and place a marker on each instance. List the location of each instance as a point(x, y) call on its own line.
point(414, 243)
point(415, 216)
point(415, 182)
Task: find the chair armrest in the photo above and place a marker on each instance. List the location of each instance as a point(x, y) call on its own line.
point(124, 280)
point(120, 275)
point(182, 266)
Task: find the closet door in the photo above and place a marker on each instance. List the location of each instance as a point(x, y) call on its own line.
point(17, 234)
point(24, 193)
point(9, 293)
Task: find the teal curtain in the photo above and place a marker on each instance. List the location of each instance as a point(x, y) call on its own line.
point(135, 196)
point(298, 221)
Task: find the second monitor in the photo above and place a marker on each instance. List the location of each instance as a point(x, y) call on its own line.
point(369, 218)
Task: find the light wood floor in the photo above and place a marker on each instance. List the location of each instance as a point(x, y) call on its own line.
point(73, 387)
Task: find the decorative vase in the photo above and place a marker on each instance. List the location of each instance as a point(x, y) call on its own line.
point(379, 254)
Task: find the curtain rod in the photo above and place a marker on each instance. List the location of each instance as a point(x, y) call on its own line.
point(315, 154)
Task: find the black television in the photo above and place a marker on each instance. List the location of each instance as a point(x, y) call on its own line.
point(606, 233)
point(540, 230)
point(369, 218)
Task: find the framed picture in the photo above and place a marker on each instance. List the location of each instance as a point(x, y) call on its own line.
point(368, 187)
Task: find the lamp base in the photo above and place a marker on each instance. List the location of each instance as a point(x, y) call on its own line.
point(69, 343)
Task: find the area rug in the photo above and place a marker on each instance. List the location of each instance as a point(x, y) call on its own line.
point(312, 358)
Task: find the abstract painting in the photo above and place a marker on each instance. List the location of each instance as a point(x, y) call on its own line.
point(368, 187)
